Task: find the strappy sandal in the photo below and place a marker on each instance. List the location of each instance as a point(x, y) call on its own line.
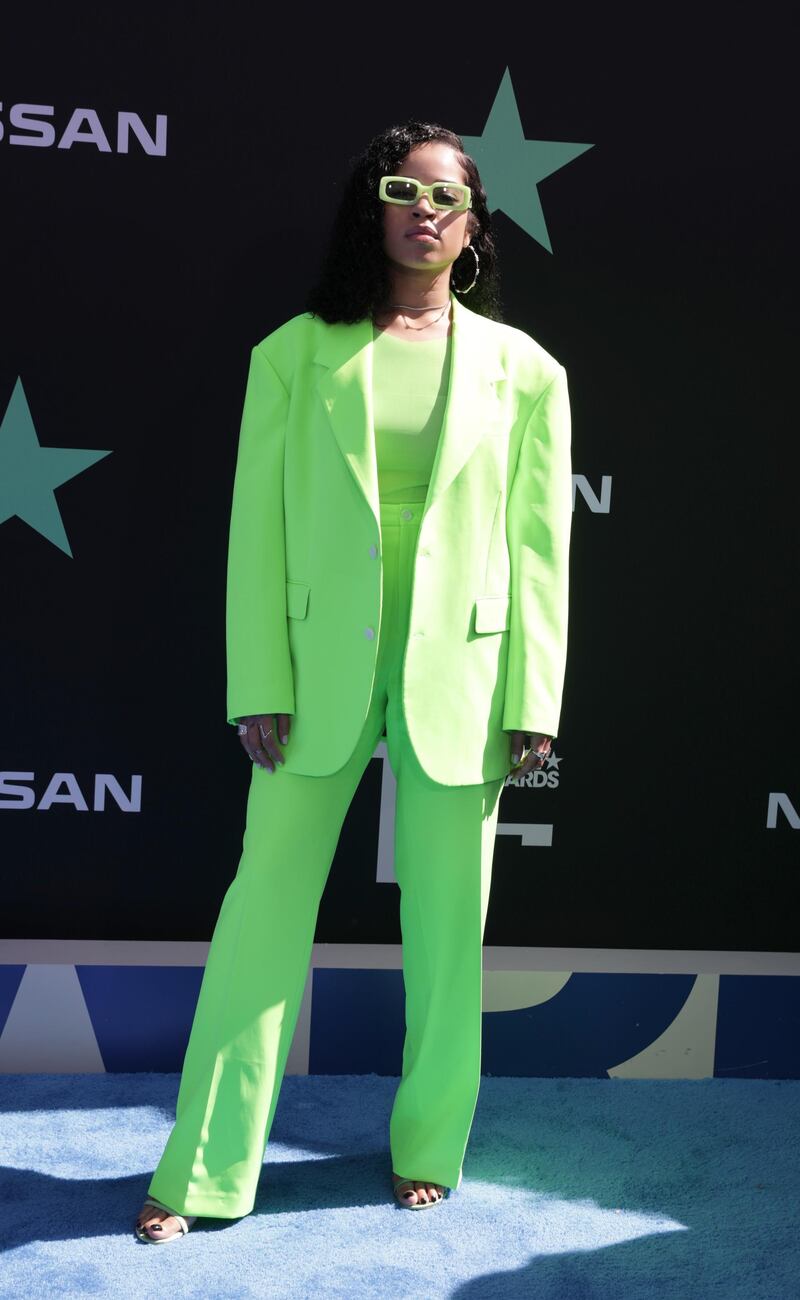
point(418, 1204)
point(184, 1223)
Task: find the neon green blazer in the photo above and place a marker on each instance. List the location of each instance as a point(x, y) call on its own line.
point(487, 636)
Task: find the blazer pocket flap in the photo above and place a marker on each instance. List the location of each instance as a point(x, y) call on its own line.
point(492, 613)
point(296, 598)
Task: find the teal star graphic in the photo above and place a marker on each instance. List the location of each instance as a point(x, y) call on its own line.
point(511, 166)
point(30, 472)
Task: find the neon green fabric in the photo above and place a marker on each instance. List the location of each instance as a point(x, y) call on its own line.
point(258, 961)
point(488, 636)
point(409, 395)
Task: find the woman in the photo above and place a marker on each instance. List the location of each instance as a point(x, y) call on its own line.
point(397, 565)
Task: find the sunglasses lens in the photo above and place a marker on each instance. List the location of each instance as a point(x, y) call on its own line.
point(448, 196)
point(401, 191)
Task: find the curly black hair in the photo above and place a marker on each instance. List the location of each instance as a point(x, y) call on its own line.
point(354, 279)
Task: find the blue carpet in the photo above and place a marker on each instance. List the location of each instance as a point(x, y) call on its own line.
point(572, 1188)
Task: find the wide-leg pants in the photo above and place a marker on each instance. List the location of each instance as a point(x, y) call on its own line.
point(260, 951)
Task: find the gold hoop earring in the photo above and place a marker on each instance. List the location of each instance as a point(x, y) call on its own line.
point(477, 267)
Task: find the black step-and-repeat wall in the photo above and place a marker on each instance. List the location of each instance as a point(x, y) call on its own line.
point(168, 183)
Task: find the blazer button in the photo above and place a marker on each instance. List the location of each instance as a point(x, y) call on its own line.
point(369, 633)
point(373, 550)
point(407, 514)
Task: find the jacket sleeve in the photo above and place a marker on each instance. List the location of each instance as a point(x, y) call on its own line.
point(538, 522)
point(260, 678)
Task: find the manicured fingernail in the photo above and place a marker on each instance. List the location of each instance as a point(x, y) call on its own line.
point(284, 740)
point(515, 758)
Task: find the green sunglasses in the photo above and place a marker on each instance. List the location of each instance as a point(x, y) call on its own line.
point(404, 189)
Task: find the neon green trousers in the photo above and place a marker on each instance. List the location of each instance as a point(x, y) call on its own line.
point(260, 951)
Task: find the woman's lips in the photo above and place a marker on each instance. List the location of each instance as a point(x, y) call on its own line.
point(422, 234)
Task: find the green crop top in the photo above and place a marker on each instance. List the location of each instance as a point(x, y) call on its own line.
point(409, 392)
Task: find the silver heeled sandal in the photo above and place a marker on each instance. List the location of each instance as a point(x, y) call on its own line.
point(418, 1204)
point(184, 1222)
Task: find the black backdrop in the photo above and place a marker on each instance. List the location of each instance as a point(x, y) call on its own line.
point(133, 288)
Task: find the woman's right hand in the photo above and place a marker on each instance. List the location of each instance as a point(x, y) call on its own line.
point(260, 740)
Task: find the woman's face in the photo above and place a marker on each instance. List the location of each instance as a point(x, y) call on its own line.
point(431, 162)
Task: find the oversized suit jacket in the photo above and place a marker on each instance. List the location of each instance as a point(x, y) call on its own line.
point(486, 645)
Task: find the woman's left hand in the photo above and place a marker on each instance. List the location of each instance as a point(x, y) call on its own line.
point(533, 741)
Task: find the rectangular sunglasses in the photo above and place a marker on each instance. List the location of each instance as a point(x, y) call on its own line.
point(404, 189)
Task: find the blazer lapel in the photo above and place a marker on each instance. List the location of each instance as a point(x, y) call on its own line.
point(473, 406)
point(345, 387)
point(471, 411)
